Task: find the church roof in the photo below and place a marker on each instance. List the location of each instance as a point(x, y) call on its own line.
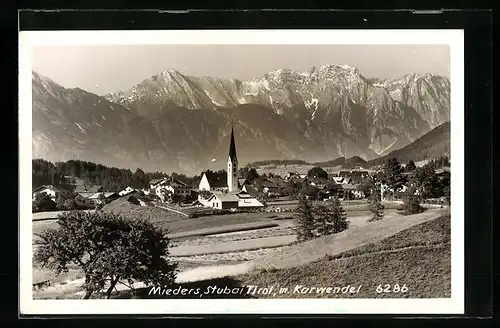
point(232, 148)
point(216, 180)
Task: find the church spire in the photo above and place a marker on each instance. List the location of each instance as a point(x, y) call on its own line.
point(232, 147)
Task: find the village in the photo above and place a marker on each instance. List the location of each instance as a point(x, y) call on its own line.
point(235, 216)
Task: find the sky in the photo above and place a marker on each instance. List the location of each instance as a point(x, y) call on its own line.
point(102, 69)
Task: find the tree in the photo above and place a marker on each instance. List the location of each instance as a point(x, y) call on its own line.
point(426, 180)
point(43, 202)
point(376, 208)
point(339, 218)
point(410, 166)
point(330, 220)
point(109, 249)
point(251, 174)
point(305, 227)
point(310, 191)
point(393, 174)
point(317, 173)
point(411, 202)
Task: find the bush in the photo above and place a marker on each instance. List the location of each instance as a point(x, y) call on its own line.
point(134, 200)
point(411, 203)
point(43, 202)
point(375, 207)
point(109, 249)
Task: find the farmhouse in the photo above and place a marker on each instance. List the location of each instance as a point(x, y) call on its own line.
point(88, 190)
point(226, 190)
point(104, 197)
point(49, 190)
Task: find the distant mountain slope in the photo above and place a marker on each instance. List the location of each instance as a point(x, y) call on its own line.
point(336, 162)
point(434, 144)
point(173, 122)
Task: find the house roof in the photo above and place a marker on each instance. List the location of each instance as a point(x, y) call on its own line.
point(225, 197)
point(216, 181)
point(88, 188)
point(56, 189)
point(156, 181)
point(350, 187)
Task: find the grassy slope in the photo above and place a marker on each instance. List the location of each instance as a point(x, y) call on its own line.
point(425, 268)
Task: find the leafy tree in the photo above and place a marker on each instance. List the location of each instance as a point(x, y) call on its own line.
point(305, 227)
point(317, 173)
point(410, 166)
point(109, 249)
point(393, 174)
point(251, 175)
point(411, 202)
point(376, 208)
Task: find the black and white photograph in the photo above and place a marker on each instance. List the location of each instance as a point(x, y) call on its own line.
point(241, 171)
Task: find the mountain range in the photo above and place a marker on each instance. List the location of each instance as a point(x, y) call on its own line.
point(175, 122)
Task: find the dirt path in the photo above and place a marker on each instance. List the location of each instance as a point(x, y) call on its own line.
point(232, 246)
point(172, 210)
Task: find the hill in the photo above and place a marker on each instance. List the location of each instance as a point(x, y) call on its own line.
point(433, 144)
point(335, 162)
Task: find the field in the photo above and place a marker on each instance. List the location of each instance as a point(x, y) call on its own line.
point(418, 257)
point(242, 242)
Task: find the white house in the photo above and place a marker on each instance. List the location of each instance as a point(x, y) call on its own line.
point(126, 191)
point(169, 186)
point(49, 190)
point(223, 201)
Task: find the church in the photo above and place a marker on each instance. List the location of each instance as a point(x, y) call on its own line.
point(226, 193)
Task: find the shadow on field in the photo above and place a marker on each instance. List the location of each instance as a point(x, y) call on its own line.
point(227, 288)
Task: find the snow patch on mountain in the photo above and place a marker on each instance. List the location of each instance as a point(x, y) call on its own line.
point(81, 128)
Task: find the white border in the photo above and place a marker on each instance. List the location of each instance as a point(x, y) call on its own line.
point(454, 305)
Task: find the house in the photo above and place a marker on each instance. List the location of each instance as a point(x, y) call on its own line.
point(344, 174)
point(49, 190)
point(291, 175)
point(88, 190)
point(342, 180)
point(223, 201)
point(242, 182)
point(126, 191)
point(104, 197)
point(247, 201)
point(270, 186)
point(154, 183)
point(169, 186)
point(349, 192)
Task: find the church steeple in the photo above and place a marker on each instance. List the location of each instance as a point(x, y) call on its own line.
point(232, 147)
point(232, 165)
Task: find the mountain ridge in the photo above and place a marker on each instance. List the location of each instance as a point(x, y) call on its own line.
point(175, 122)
